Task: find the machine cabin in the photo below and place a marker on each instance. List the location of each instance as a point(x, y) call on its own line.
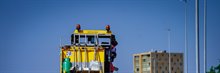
point(89, 52)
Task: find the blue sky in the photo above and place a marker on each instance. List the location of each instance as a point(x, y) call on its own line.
point(31, 30)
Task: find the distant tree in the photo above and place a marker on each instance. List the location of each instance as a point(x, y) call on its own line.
point(218, 68)
point(212, 70)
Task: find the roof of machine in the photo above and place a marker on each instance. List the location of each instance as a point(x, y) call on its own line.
point(92, 32)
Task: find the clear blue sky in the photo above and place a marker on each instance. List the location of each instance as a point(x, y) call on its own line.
point(31, 30)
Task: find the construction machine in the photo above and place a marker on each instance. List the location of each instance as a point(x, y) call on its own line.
point(89, 52)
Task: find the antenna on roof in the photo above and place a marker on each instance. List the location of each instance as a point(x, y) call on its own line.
point(60, 41)
point(169, 45)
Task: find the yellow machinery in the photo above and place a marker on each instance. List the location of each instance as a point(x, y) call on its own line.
point(89, 52)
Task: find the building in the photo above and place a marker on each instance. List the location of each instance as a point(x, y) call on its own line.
point(158, 62)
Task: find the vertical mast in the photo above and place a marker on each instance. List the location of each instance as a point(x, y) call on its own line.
point(205, 54)
point(197, 36)
point(186, 48)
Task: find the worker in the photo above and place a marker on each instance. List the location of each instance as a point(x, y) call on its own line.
point(114, 43)
point(113, 54)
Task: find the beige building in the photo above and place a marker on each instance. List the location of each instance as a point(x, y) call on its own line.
point(158, 62)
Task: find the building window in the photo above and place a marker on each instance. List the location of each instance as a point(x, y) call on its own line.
point(144, 60)
point(148, 55)
point(137, 69)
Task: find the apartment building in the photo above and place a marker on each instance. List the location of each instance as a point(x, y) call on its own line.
point(158, 62)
